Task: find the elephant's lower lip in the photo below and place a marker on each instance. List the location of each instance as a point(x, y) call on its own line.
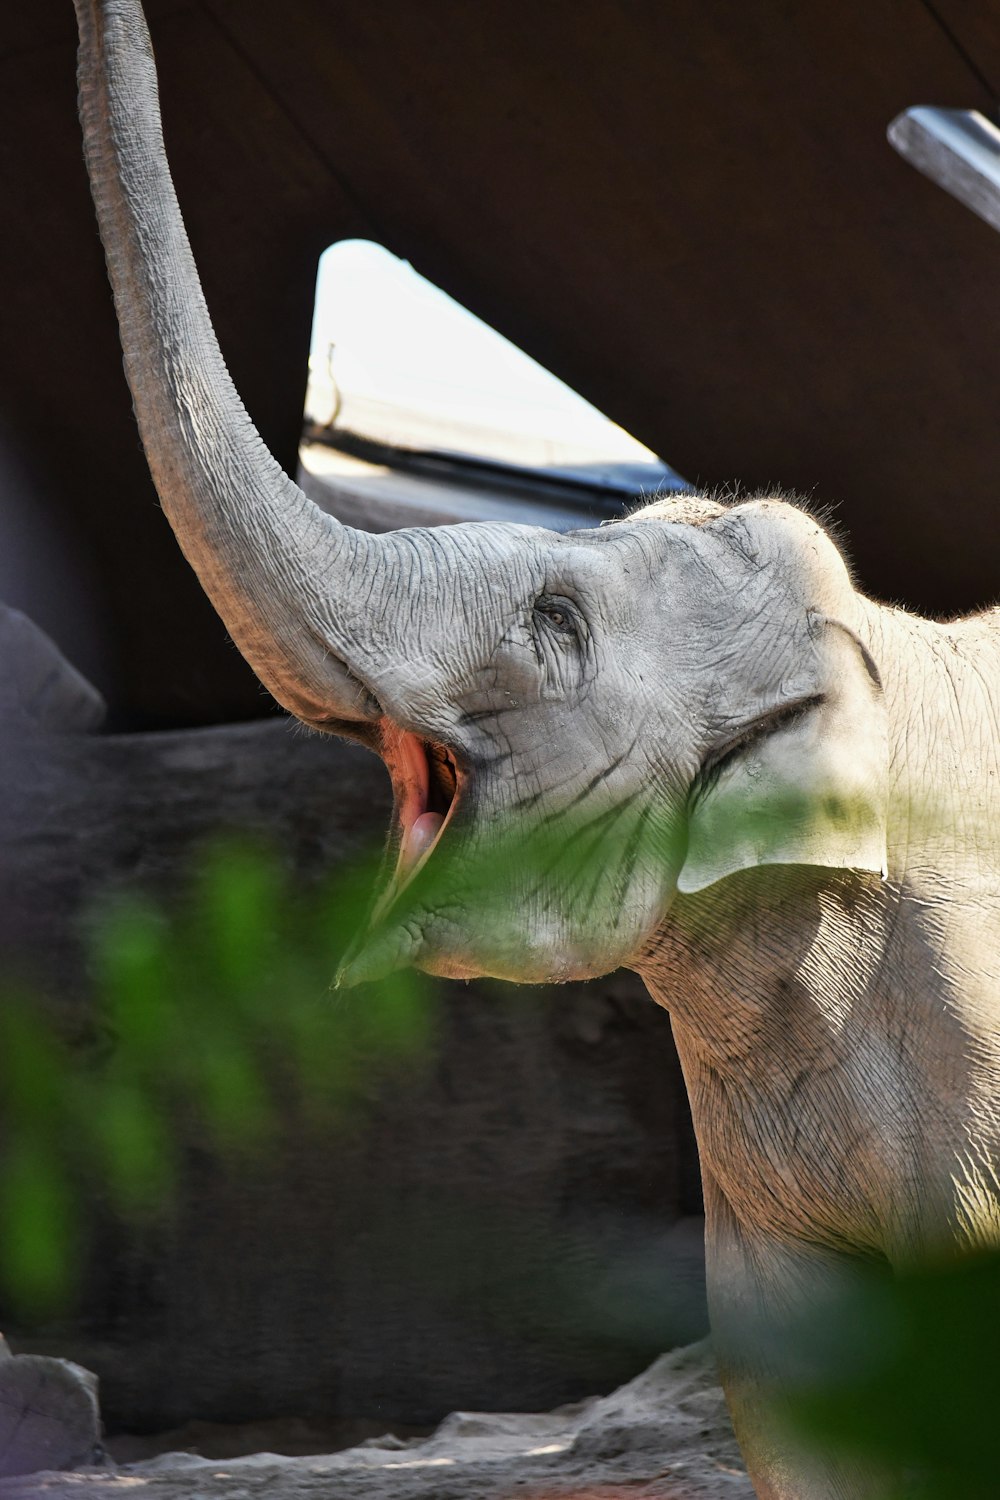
point(427, 784)
point(369, 960)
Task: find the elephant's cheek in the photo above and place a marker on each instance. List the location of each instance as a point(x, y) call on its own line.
point(449, 966)
point(520, 952)
point(457, 947)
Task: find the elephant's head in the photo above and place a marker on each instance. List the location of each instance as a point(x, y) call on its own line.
point(581, 726)
point(578, 727)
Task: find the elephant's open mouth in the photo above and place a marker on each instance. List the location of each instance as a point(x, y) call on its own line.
point(427, 783)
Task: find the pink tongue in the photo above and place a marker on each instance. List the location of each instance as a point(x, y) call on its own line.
point(420, 836)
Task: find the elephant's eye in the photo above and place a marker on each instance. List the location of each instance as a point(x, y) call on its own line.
point(558, 614)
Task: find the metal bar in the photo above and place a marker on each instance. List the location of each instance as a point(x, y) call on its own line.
point(959, 149)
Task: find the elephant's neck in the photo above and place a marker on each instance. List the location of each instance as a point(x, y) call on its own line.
point(818, 1006)
point(813, 1007)
point(944, 809)
point(771, 961)
point(944, 749)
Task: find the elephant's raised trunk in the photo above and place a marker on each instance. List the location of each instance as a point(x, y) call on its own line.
point(270, 560)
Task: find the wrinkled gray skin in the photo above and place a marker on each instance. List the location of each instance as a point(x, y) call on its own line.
point(700, 696)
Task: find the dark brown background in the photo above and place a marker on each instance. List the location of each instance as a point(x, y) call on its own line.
point(685, 209)
point(689, 212)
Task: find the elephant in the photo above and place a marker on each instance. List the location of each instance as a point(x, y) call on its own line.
point(684, 742)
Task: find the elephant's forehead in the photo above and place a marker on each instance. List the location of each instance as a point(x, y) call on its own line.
point(654, 569)
point(706, 565)
point(479, 576)
point(478, 572)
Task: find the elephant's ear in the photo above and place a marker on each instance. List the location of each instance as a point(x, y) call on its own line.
point(806, 783)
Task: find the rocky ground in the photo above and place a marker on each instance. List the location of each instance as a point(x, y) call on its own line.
point(664, 1436)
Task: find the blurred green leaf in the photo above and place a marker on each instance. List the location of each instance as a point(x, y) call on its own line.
point(223, 1029)
point(230, 1096)
point(900, 1370)
point(134, 964)
point(35, 1071)
point(396, 1017)
point(38, 1227)
point(134, 1153)
point(239, 902)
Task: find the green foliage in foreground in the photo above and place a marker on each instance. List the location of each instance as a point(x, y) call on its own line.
point(217, 1027)
point(899, 1372)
